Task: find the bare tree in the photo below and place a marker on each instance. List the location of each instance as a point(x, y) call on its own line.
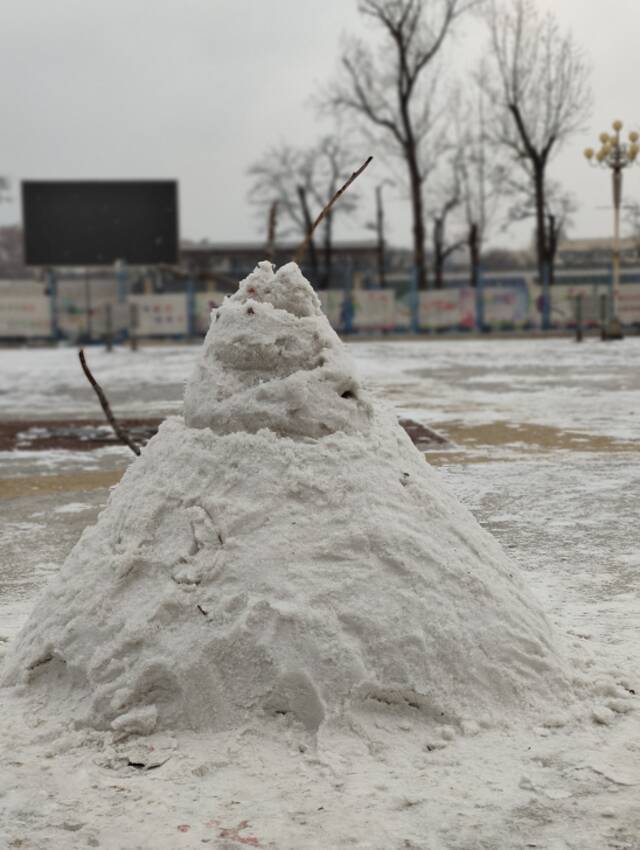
point(559, 208)
point(327, 166)
point(276, 178)
point(302, 181)
point(450, 200)
point(539, 85)
point(393, 94)
point(4, 188)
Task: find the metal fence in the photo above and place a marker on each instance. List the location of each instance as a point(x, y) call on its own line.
point(506, 302)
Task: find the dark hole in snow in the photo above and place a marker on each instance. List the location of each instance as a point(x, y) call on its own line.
point(140, 765)
point(348, 394)
point(250, 311)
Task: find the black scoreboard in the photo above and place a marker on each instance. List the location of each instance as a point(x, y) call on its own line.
point(96, 222)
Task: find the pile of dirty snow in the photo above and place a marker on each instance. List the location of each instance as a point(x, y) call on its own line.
point(283, 549)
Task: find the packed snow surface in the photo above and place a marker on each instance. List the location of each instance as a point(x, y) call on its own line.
point(283, 550)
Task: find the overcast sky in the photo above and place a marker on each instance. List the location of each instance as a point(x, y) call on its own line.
point(197, 89)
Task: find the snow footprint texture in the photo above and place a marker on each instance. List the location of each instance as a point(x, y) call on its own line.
point(282, 550)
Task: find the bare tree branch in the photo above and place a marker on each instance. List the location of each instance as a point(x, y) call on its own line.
point(303, 246)
point(392, 93)
point(120, 433)
point(301, 177)
point(539, 87)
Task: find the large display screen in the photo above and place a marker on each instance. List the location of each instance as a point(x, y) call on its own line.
point(96, 222)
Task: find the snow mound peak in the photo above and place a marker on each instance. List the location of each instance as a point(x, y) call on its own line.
point(287, 289)
point(283, 551)
point(271, 360)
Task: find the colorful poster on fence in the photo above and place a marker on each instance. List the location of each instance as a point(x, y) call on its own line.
point(629, 304)
point(161, 315)
point(25, 317)
point(374, 309)
point(507, 305)
point(452, 309)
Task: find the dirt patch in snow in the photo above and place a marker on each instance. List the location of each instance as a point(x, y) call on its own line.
point(36, 485)
point(535, 437)
point(70, 434)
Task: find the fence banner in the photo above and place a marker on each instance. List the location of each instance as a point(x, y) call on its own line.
point(508, 305)
point(75, 321)
point(374, 309)
point(511, 304)
point(447, 308)
point(359, 309)
point(563, 304)
point(161, 315)
point(629, 304)
point(27, 316)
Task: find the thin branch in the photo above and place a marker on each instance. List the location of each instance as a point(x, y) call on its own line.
point(363, 103)
point(120, 434)
point(303, 246)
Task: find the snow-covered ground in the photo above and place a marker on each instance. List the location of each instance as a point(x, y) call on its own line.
point(545, 456)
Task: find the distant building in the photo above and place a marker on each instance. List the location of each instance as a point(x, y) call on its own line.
point(589, 253)
point(227, 262)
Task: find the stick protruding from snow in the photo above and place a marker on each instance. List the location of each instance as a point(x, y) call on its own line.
point(120, 433)
point(303, 246)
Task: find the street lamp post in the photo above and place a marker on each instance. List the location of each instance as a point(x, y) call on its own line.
point(616, 155)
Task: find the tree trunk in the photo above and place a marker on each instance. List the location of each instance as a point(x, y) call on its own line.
point(417, 209)
point(308, 225)
point(438, 252)
point(542, 254)
point(380, 236)
point(552, 247)
point(328, 251)
point(474, 253)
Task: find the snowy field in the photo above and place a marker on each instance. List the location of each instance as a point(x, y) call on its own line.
point(543, 450)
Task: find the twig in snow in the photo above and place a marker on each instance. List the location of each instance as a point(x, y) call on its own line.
point(303, 246)
point(119, 432)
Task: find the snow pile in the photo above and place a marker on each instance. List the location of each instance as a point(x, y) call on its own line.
point(284, 549)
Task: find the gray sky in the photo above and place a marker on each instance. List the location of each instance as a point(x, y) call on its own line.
point(197, 89)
